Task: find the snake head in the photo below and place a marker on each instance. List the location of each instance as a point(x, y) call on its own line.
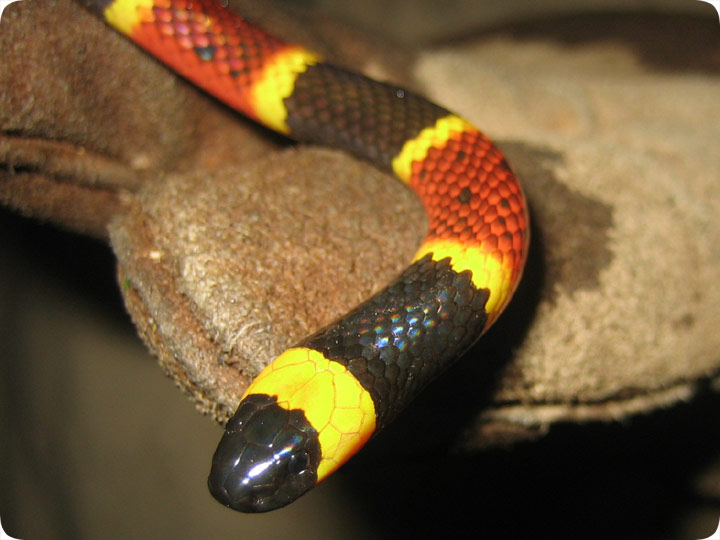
point(267, 457)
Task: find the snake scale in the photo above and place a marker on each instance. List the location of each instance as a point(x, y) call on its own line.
point(318, 402)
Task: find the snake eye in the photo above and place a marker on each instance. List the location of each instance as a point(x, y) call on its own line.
point(299, 462)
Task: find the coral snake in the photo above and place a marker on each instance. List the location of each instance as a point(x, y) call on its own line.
point(318, 402)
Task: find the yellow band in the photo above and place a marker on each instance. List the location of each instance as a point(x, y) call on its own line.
point(431, 137)
point(123, 15)
point(488, 270)
point(277, 83)
point(334, 402)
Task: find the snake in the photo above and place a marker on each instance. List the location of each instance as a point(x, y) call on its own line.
point(316, 404)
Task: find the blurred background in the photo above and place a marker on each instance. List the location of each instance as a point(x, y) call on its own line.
point(95, 442)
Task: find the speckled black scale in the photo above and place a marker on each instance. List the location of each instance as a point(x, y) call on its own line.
point(386, 343)
point(372, 120)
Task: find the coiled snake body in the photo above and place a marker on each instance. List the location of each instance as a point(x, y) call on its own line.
point(317, 403)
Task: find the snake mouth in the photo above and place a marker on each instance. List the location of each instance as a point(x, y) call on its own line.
point(249, 499)
point(253, 498)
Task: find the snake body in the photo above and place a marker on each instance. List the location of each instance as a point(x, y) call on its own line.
point(318, 402)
